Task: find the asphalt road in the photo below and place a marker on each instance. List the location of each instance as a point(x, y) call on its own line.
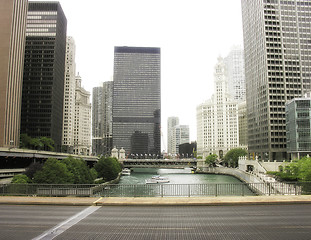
point(159, 222)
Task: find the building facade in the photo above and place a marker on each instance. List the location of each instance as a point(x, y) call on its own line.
point(217, 119)
point(277, 69)
point(136, 105)
point(102, 119)
point(242, 116)
point(13, 15)
point(82, 121)
point(171, 123)
point(180, 136)
point(234, 69)
point(44, 71)
point(298, 127)
point(69, 97)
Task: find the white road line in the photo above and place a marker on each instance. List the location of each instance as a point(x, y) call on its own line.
point(63, 226)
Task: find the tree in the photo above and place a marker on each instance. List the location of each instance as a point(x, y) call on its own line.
point(108, 168)
point(20, 178)
point(211, 160)
point(32, 169)
point(48, 143)
point(25, 141)
point(231, 159)
point(79, 169)
point(54, 172)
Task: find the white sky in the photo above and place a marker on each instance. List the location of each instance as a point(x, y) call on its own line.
point(191, 35)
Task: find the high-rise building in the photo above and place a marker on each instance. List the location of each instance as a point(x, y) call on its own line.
point(234, 69)
point(242, 116)
point(217, 119)
point(180, 136)
point(171, 123)
point(137, 100)
point(298, 127)
point(102, 119)
point(44, 71)
point(69, 96)
point(277, 69)
point(13, 15)
point(82, 121)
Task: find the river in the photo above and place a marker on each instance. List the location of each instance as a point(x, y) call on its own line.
point(176, 176)
point(182, 183)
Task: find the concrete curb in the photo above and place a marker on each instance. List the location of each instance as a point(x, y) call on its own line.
point(156, 201)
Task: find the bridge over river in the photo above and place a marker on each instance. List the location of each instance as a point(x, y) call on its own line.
point(160, 163)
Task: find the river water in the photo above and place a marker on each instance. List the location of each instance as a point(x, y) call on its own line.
point(182, 183)
point(176, 176)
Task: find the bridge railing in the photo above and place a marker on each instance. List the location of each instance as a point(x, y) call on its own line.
point(157, 190)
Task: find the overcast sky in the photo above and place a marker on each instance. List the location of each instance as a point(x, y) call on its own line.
point(191, 35)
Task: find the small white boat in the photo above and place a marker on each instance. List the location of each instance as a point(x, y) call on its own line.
point(126, 172)
point(157, 179)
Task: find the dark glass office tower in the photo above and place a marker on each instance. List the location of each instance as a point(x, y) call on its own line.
point(44, 67)
point(137, 101)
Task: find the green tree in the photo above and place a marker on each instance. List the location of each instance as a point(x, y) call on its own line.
point(25, 141)
point(32, 169)
point(211, 160)
point(20, 178)
point(54, 172)
point(108, 168)
point(231, 159)
point(48, 143)
point(81, 172)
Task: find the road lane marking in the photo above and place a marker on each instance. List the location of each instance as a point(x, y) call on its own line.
point(63, 226)
point(97, 200)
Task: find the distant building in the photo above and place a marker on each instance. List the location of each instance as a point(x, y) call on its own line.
point(102, 119)
point(180, 136)
point(13, 15)
point(298, 127)
point(217, 119)
point(234, 69)
point(69, 97)
point(137, 100)
point(44, 71)
point(277, 69)
point(82, 121)
point(171, 123)
point(187, 150)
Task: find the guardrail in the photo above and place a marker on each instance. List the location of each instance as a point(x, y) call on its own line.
point(156, 190)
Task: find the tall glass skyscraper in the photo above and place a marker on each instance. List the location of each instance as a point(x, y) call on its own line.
point(136, 105)
point(277, 68)
point(44, 71)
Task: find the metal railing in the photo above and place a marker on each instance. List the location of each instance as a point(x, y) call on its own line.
point(156, 190)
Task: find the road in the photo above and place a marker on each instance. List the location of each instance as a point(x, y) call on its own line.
point(158, 222)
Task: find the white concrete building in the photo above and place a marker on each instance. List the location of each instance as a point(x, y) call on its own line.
point(217, 119)
point(82, 122)
point(171, 123)
point(180, 136)
point(235, 73)
point(69, 96)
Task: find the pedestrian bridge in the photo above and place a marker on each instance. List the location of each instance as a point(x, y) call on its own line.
point(160, 163)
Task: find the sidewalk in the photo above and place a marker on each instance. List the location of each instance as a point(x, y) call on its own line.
point(156, 201)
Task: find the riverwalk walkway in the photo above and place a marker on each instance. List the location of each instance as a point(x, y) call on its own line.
point(156, 201)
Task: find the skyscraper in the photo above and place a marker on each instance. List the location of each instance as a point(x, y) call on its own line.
point(82, 120)
point(69, 96)
point(277, 68)
point(102, 119)
point(137, 100)
point(180, 136)
point(234, 68)
point(171, 123)
point(217, 119)
point(13, 15)
point(44, 69)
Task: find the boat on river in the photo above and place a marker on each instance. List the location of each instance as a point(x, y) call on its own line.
point(126, 172)
point(157, 179)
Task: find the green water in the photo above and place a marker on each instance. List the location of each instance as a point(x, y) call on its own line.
point(176, 176)
point(182, 183)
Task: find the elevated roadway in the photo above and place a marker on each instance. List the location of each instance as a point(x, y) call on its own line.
point(160, 163)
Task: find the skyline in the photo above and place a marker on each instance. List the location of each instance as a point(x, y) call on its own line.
point(191, 35)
